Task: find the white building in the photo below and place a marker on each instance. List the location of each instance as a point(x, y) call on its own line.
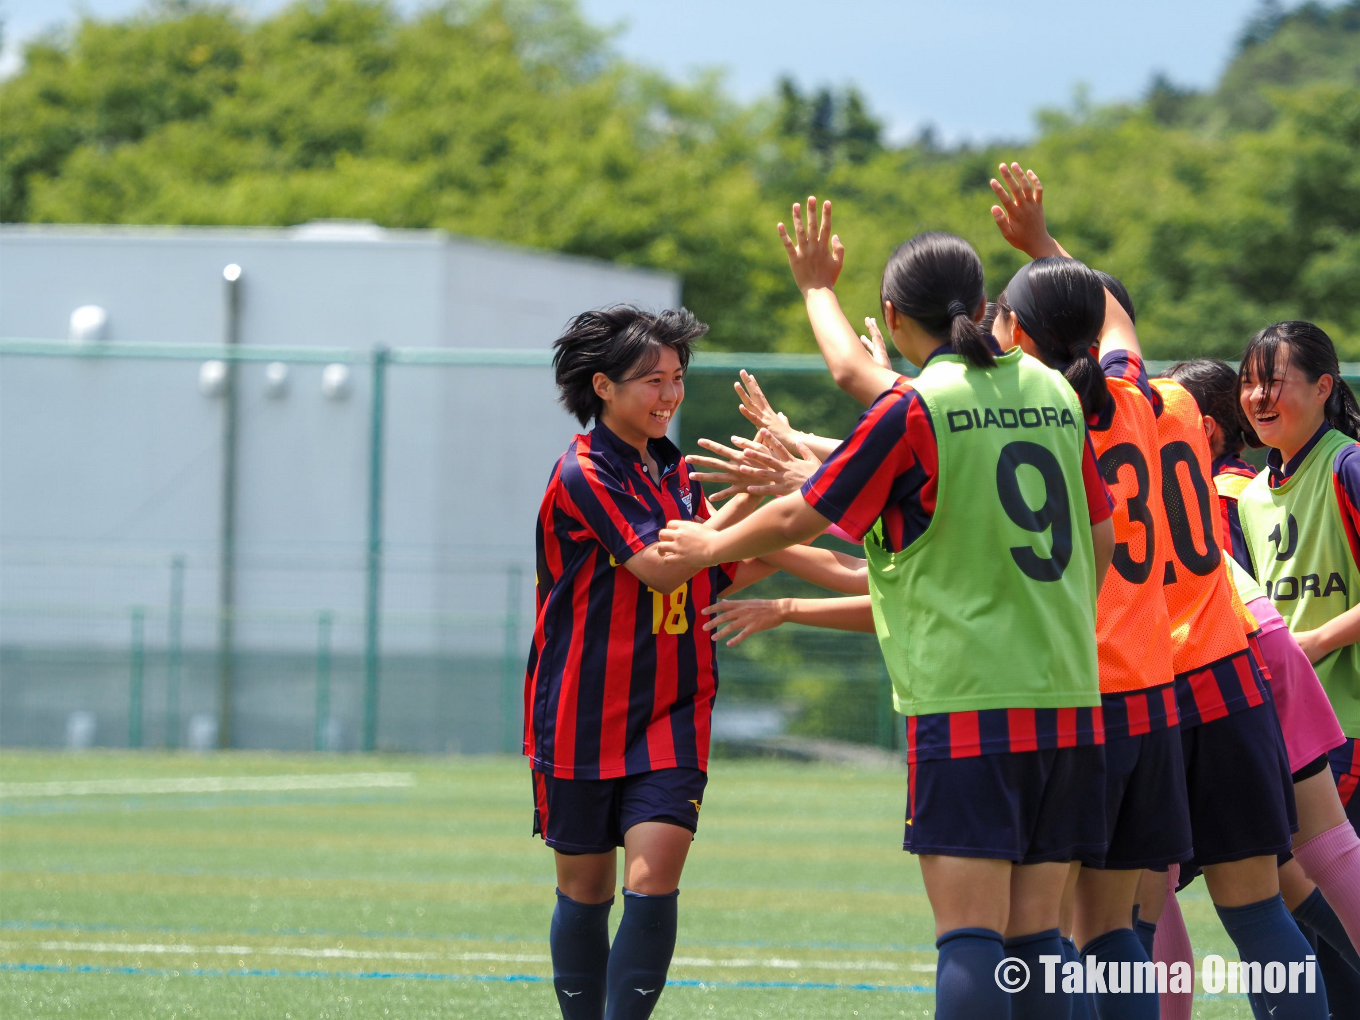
point(111, 470)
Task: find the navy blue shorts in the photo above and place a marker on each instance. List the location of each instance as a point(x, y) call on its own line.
point(1024, 806)
point(1241, 792)
point(590, 816)
point(1147, 810)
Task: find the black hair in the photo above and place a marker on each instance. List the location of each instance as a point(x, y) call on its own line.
point(1060, 303)
point(936, 279)
point(988, 318)
point(1311, 350)
point(1213, 384)
point(1121, 294)
point(623, 342)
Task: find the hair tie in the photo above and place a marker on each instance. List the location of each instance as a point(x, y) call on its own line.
point(956, 308)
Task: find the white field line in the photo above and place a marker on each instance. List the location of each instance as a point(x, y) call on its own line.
point(136, 948)
point(208, 784)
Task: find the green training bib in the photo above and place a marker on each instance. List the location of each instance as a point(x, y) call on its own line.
point(1299, 548)
point(994, 605)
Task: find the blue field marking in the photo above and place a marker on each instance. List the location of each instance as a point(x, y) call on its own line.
point(377, 975)
point(462, 936)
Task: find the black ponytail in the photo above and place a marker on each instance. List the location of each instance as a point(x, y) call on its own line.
point(1060, 303)
point(988, 317)
point(936, 279)
point(1213, 384)
point(1311, 350)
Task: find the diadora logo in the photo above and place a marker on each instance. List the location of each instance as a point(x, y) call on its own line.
point(1287, 543)
point(1009, 418)
point(1286, 589)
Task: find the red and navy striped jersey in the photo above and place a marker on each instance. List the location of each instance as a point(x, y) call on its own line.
point(1233, 467)
point(1232, 464)
point(1126, 365)
point(621, 678)
point(889, 468)
point(1345, 762)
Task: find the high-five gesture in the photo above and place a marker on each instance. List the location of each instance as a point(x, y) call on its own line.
point(756, 408)
point(816, 255)
point(1020, 216)
point(762, 467)
point(758, 411)
point(875, 344)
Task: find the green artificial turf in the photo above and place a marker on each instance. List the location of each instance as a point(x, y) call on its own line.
point(432, 900)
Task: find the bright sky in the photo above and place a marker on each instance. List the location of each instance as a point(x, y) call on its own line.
point(972, 68)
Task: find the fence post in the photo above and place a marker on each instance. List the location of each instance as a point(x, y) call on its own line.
point(174, 649)
point(887, 722)
point(512, 663)
point(374, 563)
point(226, 568)
point(323, 678)
point(137, 671)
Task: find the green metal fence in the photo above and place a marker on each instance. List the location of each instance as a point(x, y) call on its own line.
point(335, 677)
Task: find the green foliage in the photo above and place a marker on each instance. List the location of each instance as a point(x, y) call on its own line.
point(513, 119)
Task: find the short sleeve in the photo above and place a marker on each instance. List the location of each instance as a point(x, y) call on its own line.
point(891, 456)
point(594, 495)
point(1346, 479)
point(1098, 499)
point(1126, 365)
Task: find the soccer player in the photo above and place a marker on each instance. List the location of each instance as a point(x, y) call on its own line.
point(1237, 773)
point(1299, 519)
point(620, 683)
point(1307, 722)
point(1213, 384)
point(1057, 310)
point(986, 545)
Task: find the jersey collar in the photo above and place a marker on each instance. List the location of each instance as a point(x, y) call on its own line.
point(1278, 475)
point(1231, 463)
point(664, 452)
point(992, 346)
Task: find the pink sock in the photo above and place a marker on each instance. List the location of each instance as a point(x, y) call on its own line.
point(1332, 860)
point(1172, 943)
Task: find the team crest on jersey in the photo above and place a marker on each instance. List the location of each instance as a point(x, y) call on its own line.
point(686, 498)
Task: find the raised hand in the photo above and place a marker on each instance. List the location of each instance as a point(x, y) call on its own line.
point(1020, 216)
point(745, 616)
point(757, 410)
point(725, 468)
point(762, 467)
point(771, 470)
point(816, 255)
point(873, 343)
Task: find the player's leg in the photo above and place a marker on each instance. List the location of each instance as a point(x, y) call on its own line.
point(965, 804)
point(1081, 1005)
point(1148, 819)
point(1034, 936)
point(1152, 894)
point(1327, 850)
point(1104, 932)
point(576, 817)
point(659, 813)
point(1242, 808)
point(1063, 801)
point(1171, 943)
point(970, 899)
